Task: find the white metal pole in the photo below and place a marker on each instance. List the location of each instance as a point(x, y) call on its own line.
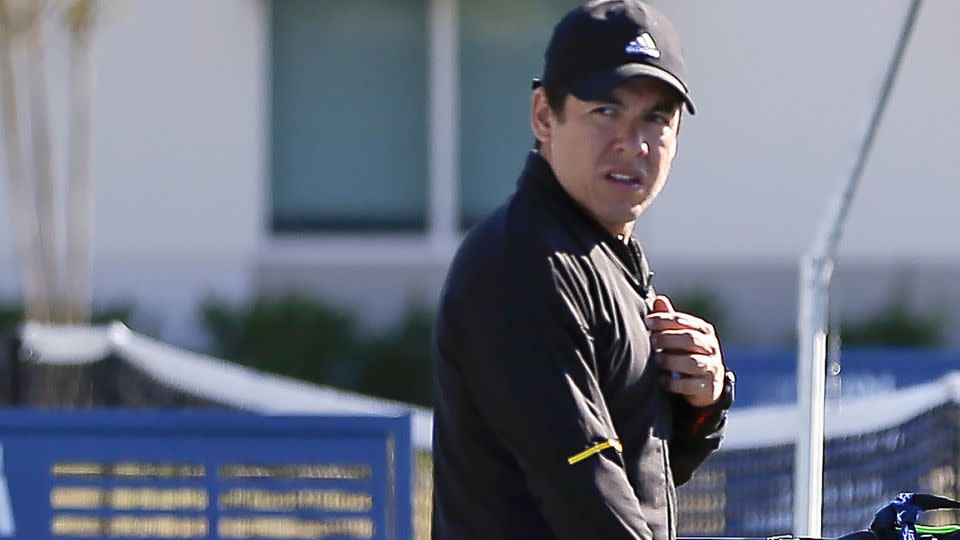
point(812, 318)
point(811, 361)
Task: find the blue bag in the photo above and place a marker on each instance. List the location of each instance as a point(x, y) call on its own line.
point(898, 520)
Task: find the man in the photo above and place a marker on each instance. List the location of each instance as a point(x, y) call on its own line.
point(570, 398)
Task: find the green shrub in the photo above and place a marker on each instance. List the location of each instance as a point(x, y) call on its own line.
point(895, 325)
point(396, 365)
point(10, 316)
point(313, 341)
point(708, 306)
point(289, 336)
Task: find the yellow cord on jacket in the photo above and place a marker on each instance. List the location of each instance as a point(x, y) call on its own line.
point(596, 449)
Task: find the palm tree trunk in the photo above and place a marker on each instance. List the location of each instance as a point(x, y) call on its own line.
point(22, 203)
point(43, 167)
point(79, 185)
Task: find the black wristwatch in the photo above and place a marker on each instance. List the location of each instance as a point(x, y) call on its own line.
point(729, 390)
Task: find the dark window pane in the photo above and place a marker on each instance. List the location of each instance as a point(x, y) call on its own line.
point(501, 50)
point(349, 114)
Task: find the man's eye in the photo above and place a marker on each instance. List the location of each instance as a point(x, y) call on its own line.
point(661, 119)
point(605, 111)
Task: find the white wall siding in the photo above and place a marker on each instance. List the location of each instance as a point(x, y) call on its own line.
point(907, 209)
point(785, 93)
point(178, 155)
point(179, 139)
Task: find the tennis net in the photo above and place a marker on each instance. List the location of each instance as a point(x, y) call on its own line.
point(876, 447)
point(112, 366)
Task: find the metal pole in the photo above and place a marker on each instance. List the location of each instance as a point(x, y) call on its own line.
point(813, 313)
point(812, 327)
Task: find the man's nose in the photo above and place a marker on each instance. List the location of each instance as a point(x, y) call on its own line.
point(634, 144)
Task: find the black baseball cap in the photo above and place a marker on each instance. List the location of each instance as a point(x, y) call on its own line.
point(600, 45)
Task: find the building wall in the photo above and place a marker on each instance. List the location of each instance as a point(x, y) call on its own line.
point(784, 101)
point(182, 148)
point(785, 96)
point(178, 156)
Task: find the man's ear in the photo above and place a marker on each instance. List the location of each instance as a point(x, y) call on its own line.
point(541, 116)
point(676, 144)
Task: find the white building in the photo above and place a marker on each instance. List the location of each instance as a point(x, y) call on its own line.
point(340, 148)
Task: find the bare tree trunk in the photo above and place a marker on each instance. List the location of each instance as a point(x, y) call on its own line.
point(22, 203)
point(43, 165)
point(43, 225)
point(79, 186)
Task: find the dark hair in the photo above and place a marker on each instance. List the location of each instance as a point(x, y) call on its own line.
point(556, 98)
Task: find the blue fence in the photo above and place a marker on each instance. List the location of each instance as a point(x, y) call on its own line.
point(166, 474)
point(768, 376)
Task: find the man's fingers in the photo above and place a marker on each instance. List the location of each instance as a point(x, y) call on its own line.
point(693, 365)
point(662, 304)
point(687, 347)
point(677, 321)
point(686, 341)
point(699, 391)
point(688, 386)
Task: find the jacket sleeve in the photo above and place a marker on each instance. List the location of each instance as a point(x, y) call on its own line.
point(697, 432)
point(527, 360)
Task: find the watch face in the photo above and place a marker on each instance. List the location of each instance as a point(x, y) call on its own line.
point(729, 385)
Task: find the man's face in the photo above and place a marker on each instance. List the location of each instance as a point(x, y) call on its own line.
point(612, 156)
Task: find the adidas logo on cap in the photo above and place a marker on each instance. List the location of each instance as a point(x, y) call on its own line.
point(643, 44)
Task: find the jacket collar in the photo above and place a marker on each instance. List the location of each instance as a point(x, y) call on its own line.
point(539, 181)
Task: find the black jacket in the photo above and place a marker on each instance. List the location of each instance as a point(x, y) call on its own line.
point(549, 420)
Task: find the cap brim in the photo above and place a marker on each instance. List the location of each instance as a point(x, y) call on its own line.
point(601, 84)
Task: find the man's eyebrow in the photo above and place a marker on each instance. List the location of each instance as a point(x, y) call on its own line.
point(669, 107)
point(608, 98)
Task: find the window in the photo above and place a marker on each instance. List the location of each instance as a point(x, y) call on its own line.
point(501, 50)
point(349, 115)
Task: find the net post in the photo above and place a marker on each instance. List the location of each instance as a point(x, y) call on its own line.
point(812, 318)
point(816, 269)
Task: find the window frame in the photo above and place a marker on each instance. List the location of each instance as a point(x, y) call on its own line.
point(442, 231)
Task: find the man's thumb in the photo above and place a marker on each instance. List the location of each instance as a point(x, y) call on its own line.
point(662, 305)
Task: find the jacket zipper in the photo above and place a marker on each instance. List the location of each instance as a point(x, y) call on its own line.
point(666, 488)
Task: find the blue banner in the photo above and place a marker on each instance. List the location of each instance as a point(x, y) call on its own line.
point(190, 474)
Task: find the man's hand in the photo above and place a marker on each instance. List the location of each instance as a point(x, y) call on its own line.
point(687, 346)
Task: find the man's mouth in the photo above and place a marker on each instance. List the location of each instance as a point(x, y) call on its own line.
point(622, 178)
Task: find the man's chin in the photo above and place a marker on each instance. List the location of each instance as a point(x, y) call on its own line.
point(621, 220)
point(636, 210)
point(630, 214)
